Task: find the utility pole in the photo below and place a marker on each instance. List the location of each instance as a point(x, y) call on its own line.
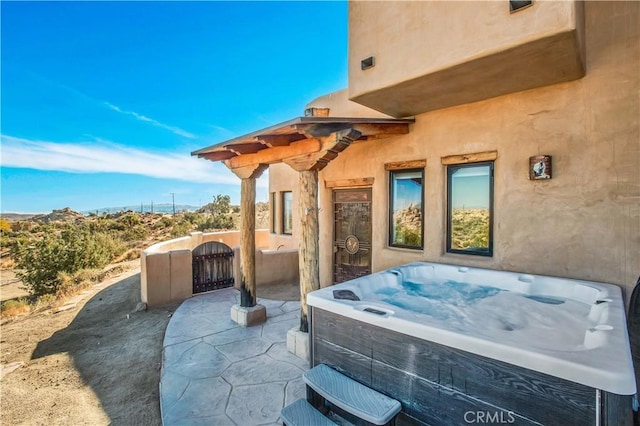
point(173, 199)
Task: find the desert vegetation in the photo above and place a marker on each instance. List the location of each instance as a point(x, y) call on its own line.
point(58, 255)
point(470, 228)
point(408, 226)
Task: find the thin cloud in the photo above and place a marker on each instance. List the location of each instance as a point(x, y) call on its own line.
point(176, 130)
point(108, 157)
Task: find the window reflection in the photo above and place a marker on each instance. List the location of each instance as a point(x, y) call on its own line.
point(470, 208)
point(287, 212)
point(405, 202)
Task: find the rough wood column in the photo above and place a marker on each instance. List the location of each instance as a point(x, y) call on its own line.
point(308, 255)
point(248, 242)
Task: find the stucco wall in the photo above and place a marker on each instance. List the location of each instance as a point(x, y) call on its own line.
point(436, 54)
point(166, 268)
point(585, 222)
point(340, 106)
point(283, 178)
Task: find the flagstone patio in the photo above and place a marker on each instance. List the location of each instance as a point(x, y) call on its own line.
point(216, 372)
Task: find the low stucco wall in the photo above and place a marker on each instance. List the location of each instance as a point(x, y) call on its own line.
point(272, 266)
point(166, 274)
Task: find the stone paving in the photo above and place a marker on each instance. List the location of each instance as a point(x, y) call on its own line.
point(215, 372)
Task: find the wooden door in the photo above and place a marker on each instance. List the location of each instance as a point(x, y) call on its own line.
point(352, 234)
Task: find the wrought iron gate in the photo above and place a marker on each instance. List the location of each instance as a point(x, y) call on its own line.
point(212, 267)
point(352, 233)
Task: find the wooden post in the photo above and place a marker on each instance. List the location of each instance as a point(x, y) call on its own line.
point(308, 255)
point(248, 242)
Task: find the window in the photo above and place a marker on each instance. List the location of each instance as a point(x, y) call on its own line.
point(273, 213)
point(516, 5)
point(405, 208)
point(287, 212)
point(470, 208)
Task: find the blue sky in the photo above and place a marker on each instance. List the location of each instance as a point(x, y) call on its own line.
point(102, 102)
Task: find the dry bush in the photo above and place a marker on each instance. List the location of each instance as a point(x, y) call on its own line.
point(7, 262)
point(73, 283)
point(43, 302)
point(14, 307)
point(131, 254)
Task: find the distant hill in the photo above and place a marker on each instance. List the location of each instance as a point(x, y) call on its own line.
point(18, 216)
point(146, 208)
point(165, 208)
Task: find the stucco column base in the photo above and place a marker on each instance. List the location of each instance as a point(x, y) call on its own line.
point(247, 317)
point(298, 343)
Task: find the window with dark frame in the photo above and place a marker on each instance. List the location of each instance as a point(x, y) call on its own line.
point(470, 208)
point(406, 202)
point(274, 222)
point(516, 5)
point(287, 212)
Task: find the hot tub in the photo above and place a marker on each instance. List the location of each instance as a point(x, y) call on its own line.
point(530, 348)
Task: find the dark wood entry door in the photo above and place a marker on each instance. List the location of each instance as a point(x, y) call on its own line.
point(351, 234)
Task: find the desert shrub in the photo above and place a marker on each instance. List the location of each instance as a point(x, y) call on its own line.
point(129, 219)
point(135, 233)
point(72, 249)
point(181, 229)
point(22, 225)
point(165, 222)
point(5, 226)
point(408, 235)
point(101, 224)
point(217, 222)
point(131, 254)
point(43, 301)
point(14, 307)
point(72, 283)
point(470, 228)
point(193, 218)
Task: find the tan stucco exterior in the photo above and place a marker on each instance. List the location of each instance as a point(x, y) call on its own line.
point(283, 178)
point(583, 223)
point(167, 274)
point(436, 54)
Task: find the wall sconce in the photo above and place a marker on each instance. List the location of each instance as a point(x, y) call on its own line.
point(540, 167)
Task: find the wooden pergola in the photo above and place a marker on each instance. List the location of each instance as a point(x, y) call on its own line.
point(307, 144)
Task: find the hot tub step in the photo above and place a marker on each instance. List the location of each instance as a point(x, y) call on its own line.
point(303, 414)
point(351, 396)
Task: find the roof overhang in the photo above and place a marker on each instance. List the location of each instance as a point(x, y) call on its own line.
point(305, 143)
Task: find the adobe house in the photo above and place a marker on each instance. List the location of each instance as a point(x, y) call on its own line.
point(524, 115)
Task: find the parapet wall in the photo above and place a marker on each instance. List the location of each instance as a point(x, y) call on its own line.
point(166, 267)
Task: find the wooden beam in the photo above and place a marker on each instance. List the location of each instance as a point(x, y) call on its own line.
point(275, 154)
point(331, 147)
point(308, 256)
point(342, 183)
point(279, 140)
point(245, 148)
point(253, 171)
point(475, 157)
point(218, 155)
point(369, 129)
point(401, 165)
point(248, 243)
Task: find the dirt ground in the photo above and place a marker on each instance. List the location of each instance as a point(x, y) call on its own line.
point(97, 363)
point(10, 286)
